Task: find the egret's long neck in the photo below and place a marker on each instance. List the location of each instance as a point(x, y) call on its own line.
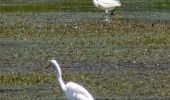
point(59, 76)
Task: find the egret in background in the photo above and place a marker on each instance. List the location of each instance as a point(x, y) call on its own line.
point(107, 5)
point(72, 90)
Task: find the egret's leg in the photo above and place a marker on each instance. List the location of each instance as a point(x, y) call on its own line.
point(112, 12)
point(107, 12)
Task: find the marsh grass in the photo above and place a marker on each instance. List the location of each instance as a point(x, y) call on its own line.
point(137, 40)
point(115, 60)
point(47, 6)
point(127, 82)
point(123, 58)
point(43, 8)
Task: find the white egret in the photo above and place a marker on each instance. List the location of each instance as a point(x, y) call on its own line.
point(72, 90)
point(107, 5)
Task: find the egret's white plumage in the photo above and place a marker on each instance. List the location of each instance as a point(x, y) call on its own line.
point(72, 90)
point(107, 5)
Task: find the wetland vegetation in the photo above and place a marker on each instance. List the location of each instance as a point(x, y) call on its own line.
point(127, 58)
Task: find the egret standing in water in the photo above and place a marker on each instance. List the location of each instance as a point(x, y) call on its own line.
point(72, 90)
point(107, 5)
